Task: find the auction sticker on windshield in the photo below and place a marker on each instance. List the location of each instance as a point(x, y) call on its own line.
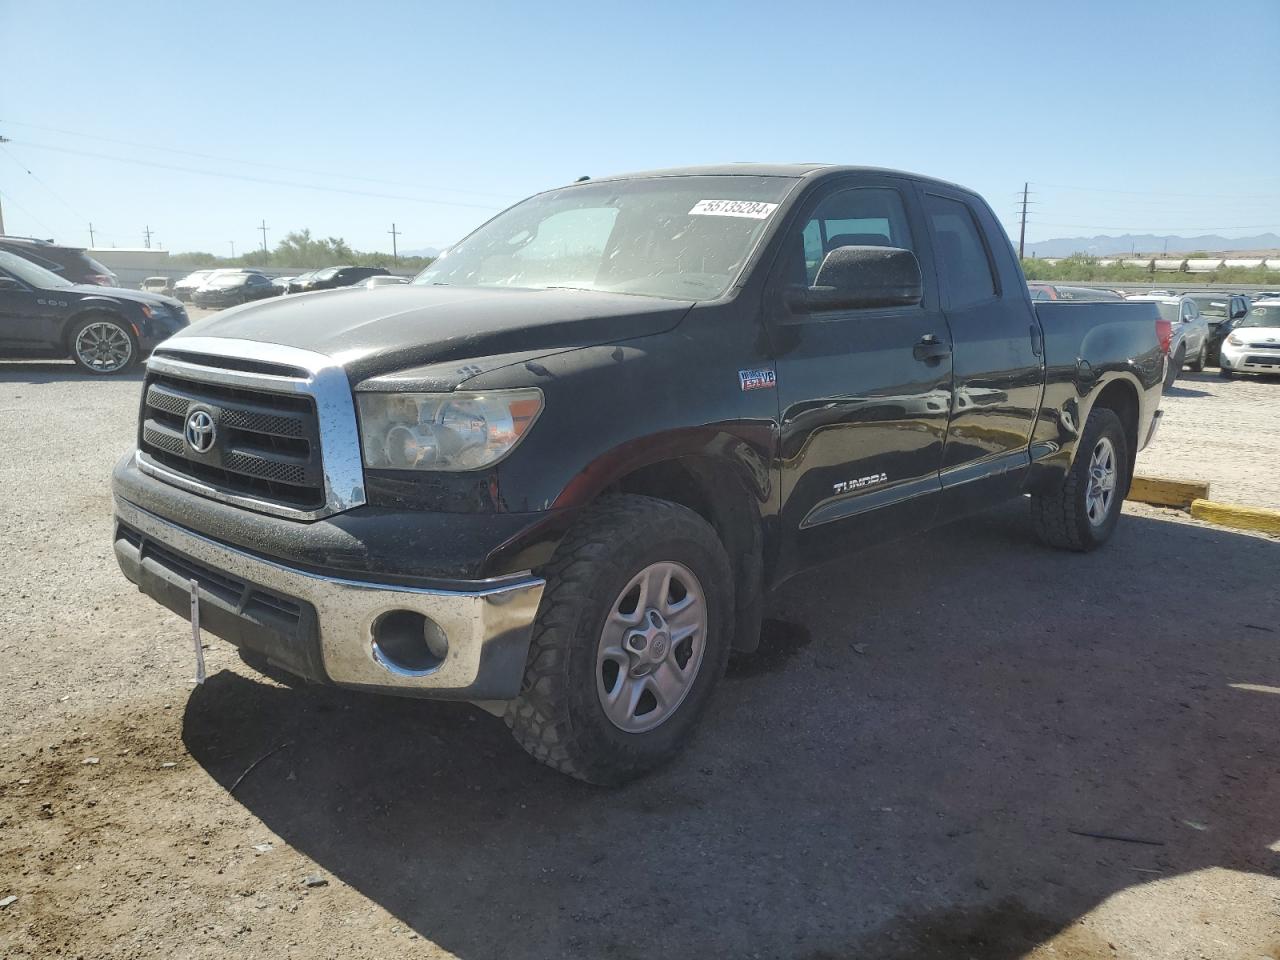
point(752, 209)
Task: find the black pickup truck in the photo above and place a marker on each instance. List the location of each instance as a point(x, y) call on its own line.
point(557, 474)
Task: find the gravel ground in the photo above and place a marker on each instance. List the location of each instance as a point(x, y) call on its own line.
point(1223, 431)
point(897, 774)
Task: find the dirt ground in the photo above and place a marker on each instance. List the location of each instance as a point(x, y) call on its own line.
point(1224, 431)
point(910, 768)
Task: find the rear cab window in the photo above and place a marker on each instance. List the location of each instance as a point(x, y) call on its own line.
point(963, 256)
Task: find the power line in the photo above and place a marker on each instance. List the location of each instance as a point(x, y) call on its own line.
point(1161, 193)
point(32, 175)
point(8, 198)
point(266, 180)
point(151, 147)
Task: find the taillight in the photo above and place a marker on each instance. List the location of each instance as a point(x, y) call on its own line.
point(1164, 333)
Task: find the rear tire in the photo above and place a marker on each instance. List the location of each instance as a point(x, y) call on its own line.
point(572, 713)
point(1175, 366)
point(103, 344)
point(1224, 373)
point(1082, 513)
point(1201, 359)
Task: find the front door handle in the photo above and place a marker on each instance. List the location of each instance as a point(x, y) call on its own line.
point(930, 349)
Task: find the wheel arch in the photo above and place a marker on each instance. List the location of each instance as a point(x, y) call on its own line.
point(1122, 398)
point(92, 309)
point(716, 491)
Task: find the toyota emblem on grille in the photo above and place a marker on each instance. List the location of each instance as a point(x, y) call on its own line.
point(200, 431)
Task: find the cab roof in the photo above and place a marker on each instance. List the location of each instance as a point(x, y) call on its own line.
point(793, 170)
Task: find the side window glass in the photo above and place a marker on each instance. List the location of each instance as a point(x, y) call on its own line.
point(962, 257)
point(861, 217)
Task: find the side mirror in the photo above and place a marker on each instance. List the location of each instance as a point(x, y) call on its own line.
point(8, 283)
point(1238, 313)
point(855, 278)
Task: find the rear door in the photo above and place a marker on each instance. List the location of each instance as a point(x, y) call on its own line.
point(862, 393)
point(998, 370)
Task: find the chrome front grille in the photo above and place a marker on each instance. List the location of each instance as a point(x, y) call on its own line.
point(283, 426)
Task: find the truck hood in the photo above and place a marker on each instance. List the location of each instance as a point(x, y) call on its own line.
point(391, 328)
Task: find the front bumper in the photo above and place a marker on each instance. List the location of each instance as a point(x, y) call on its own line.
point(323, 627)
point(1250, 359)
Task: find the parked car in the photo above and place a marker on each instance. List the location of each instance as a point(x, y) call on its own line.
point(73, 263)
point(301, 283)
point(103, 329)
point(333, 277)
point(1190, 333)
point(382, 280)
point(229, 289)
point(1253, 344)
point(281, 284)
point(156, 285)
point(185, 289)
point(1220, 310)
point(1058, 291)
point(561, 486)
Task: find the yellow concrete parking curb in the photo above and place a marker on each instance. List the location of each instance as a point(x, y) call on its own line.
point(1162, 492)
point(1241, 518)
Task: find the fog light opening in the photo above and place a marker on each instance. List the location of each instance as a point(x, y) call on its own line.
point(408, 643)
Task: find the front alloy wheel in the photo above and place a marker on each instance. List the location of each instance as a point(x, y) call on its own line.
point(651, 647)
point(632, 633)
point(103, 346)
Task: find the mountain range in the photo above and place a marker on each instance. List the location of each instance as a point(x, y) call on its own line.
point(1150, 243)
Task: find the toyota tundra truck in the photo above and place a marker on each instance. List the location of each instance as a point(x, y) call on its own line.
point(559, 473)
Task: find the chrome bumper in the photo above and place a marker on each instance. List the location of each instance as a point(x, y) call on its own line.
point(487, 623)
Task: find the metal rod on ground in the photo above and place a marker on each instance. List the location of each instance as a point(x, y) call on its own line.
point(194, 586)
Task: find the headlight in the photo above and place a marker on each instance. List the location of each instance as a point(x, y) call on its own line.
point(444, 431)
point(1235, 341)
point(153, 310)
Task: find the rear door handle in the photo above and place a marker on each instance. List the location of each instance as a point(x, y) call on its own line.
point(931, 349)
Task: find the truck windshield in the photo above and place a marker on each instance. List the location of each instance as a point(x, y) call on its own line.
point(675, 237)
point(31, 274)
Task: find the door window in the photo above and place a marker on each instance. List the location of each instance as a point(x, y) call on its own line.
point(963, 261)
point(861, 217)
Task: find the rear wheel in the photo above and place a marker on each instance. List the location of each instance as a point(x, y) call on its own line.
point(1082, 512)
point(103, 344)
point(631, 636)
point(1224, 373)
point(1202, 357)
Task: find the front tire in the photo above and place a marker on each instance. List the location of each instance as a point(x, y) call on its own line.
point(103, 344)
point(1224, 373)
point(631, 636)
point(1082, 512)
point(1201, 359)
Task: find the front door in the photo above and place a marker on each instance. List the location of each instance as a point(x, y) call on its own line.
point(23, 324)
point(863, 394)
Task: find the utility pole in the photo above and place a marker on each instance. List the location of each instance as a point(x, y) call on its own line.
point(1022, 230)
point(2, 140)
point(233, 248)
point(263, 228)
point(146, 232)
point(91, 234)
point(395, 256)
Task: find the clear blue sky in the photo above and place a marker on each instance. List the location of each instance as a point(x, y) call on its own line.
point(1171, 105)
